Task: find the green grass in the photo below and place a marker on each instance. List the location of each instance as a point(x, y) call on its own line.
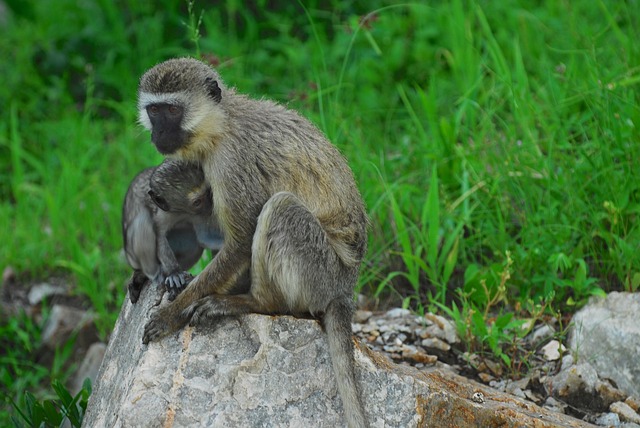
point(486, 137)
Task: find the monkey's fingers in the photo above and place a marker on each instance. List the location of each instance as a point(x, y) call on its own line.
point(210, 308)
point(177, 282)
point(162, 323)
point(171, 282)
point(150, 333)
point(198, 314)
point(155, 329)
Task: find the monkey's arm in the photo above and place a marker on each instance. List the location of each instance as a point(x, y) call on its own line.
point(174, 278)
point(218, 277)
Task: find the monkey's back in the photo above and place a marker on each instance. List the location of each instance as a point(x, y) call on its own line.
point(135, 204)
point(270, 149)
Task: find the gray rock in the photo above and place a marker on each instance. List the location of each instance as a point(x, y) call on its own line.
point(553, 350)
point(626, 413)
point(441, 328)
point(541, 334)
point(257, 371)
point(608, 393)
point(89, 367)
point(608, 420)
point(567, 361)
point(64, 321)
point(633, 402)
point(42, 291)
point(555, 405)
point(398, 313)
point(606, 333)
point(435, 343)
point(580, 386)
point(361, 316)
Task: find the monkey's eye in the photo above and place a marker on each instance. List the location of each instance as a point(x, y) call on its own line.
point(175, 110)
point(197, 203)
point(153, 110)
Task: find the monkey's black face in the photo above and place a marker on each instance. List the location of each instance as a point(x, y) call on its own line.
point(166, 132)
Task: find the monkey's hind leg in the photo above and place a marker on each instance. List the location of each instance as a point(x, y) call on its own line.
point(296, 270)
point(293, 268)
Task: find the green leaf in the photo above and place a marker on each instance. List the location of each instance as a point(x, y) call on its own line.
point(635, 281)
point(431, 217)
point(502, 321)
point(63, 394)
point(52, 413)
point(479, 326)
point(506, 359)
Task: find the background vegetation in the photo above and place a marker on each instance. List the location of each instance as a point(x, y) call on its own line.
point(495, 143)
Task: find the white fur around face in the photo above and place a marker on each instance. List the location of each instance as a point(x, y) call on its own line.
point(196, 108)
point(145, 99)
point(199, 109)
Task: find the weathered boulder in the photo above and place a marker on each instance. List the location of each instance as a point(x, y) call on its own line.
point(257, 371)
point(606, 334)
point(580, 386)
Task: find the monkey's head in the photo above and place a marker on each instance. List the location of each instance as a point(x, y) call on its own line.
point(178, 101)
point(180, 187)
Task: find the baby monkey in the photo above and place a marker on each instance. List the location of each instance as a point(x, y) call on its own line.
point(167, 222)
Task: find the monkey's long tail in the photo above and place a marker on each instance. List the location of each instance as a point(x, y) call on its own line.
point(337, 324)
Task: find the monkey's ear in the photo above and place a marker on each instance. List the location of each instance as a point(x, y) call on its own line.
point(213, 89)
point(159, 201)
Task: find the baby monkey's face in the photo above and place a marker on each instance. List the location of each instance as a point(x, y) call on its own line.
point(179, 187)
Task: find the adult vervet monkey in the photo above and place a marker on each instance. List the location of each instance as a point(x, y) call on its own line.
point(286, 201)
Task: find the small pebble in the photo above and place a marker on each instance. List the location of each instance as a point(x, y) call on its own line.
point(478, 397)
point(553, 350)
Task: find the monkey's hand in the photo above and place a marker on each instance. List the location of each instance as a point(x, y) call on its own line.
point(177, 282)
point(164, 322)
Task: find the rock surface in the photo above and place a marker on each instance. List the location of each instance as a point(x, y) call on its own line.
point(256, 371)
point(580, 386)
point(606, 334)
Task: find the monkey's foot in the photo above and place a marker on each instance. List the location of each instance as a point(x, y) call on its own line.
point(162, 323)
point(210, 308)
point(204, 311)
point(136, 282)
point(134, 292)
point(177, 282)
